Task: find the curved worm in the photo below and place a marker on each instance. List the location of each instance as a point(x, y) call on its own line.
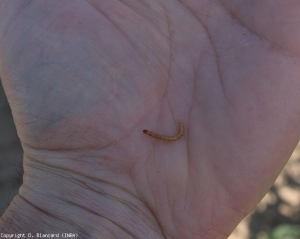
point(167, 138)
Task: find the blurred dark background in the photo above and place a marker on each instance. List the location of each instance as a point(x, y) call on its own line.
point(276, 217)
point(11, 170)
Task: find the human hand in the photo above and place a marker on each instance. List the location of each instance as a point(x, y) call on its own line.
point(84, 78)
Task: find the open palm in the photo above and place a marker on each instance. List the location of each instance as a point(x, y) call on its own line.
point(85, 78)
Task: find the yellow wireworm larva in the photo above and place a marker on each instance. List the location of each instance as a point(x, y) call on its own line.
point(167, 138)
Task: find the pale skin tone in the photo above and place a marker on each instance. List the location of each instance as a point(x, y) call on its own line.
point(85, 78)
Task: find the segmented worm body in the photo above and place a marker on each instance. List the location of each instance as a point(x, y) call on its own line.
point(167, 138)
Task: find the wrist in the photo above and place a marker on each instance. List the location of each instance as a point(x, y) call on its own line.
point(57, 201)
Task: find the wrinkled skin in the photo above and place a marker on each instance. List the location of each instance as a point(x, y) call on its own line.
point(85, 78)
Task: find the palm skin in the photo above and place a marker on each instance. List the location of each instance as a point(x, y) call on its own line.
point(85, 78)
